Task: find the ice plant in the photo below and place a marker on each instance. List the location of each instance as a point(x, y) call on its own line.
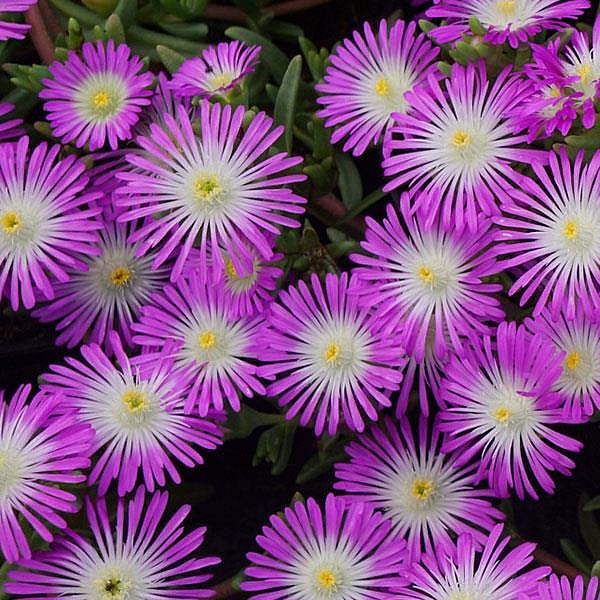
point(40, 448)
point(97, 97)
point(564, 589)
point(138, 416)
point(512, 21)
point(217, 187)
point(551, 228)
point(424, 493)
point(428, 280)
point(46, 225)
point(216, 347)
point(330, 359)
point(457, 142)
point(462, 572)
point(141, 555)
point(501, 406)
point(106, 290)
point(8, 29)
point(216, 71)
point(339, 553)
point(9, 128)
point(579, 340)
point(367, 78)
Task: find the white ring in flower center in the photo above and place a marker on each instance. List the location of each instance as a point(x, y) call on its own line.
point(101, 96)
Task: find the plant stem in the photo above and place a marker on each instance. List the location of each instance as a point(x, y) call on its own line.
point(39, 34)
point(225, 590)
point(558, 566)
point(236, 15)
point(329, 208)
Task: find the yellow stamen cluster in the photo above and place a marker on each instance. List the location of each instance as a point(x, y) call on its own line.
point(502, 414)
point(207, 340)
point(571, 230)
point(572, 361)
point(11, 222)
point(207, 187)
point(332, 352)
point(506, 8)
point(327, 579)
point(120, 276)
point(382, 87)
point(101, 99)
point(230, 268)
point(421, 489)
point(135, 400)
point(426, 275)
point(585, 73)
point(461, 139)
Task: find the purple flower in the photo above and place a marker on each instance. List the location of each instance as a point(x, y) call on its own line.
point(579, 341)
point(328, 355)
point(106, 290)
point(9, 128)
point(216, 71)
point(367, 79)
point(216, 347)
point(215, 187)
point(39, 450)
point(463, 572)
point(505, 20)
point(500, 406)
point(457, 143)
point(138, 416)
point(45, 227)
point(425, 493)
point(97, 97)
point(564, 589)
point(8, 29)
point(347, 552)
point(247, 293)
point(428, 280)
point(551, 228)
point(137, 556)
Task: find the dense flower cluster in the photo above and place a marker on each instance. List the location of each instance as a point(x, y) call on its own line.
point(456, 349)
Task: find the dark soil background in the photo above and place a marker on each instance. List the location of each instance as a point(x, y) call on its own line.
point(230, 496)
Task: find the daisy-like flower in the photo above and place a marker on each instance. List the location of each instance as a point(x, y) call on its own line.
point(564, 589)
point(138, 416)
point(216, 71)
point(38, 451)
point(512, 21)
point(106, 291)
point(367, 79)
point(141, 555)
point(329, 357)
point(216, 347)
point(10, 127)
point(552, 228)
point(457, 143)
point(45, 225)
point(8, 29)
point(247, 293)
point(428, 280)
point(424, 493)
point(579, 340)
point(97, 97)
point(501, 405)
point(340, 553)
point(462, 572)
point(217, 187)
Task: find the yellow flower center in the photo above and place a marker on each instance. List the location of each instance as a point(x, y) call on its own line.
point(506, 8)
point(421, 489)
point(207, 340)
point(555, 92)
point(382, 87)
point(135, 400)
point(572, 361)
point(11, 222)
point(220, 81)
point(461, 139)
point(585, 73)
point(101, 99)
point(207, 187)
point(426, 275)
point(230, 268)
point(332, 352)
point(571, 230)
point(502, 414)
point(120, 276)
point(327, 579)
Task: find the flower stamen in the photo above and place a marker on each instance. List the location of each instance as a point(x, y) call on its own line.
point(11, 222)
point(461, 139)
point(207, 339)
point(382, 87)
point(120, 276)
point(332, 353)
point(507, 8)
point(327, 579)
point(135, 400)
point(571, 230)
point(421, 489)
point(572, 360)
point(207, 187)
